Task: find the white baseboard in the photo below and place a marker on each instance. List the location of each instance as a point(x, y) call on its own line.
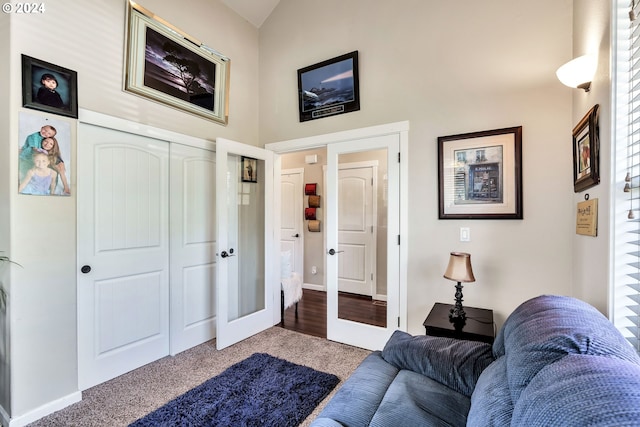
point(42, 411)
point(313, 287)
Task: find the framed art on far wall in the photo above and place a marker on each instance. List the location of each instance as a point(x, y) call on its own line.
point(480, 175)
point(329, 87)
point(166, 65)
point(48, 87)
point(586, 151)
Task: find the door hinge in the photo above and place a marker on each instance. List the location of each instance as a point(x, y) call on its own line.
point(398, 321)
point(398, 240)
point(398, 157)
point(372, 277)
point(372, 182)
point(372, 229)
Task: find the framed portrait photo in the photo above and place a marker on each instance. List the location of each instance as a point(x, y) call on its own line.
point(249, 169)
point(480, 175)
point(329, 87)
point(168, 66)
point(49, 87)
point(586, 152)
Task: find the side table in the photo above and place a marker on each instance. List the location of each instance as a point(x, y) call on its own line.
point(478, 327)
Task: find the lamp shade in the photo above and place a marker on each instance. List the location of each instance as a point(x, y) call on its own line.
point(459, 268)
point(579, 72)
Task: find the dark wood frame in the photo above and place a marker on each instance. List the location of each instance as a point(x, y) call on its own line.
point(32, 70)
point(586, 130)
point(508, 170)
point(326, 69)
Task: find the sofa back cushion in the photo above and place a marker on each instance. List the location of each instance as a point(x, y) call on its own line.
point(545, 329)
point(582, 390)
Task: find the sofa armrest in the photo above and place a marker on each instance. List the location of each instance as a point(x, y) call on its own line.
point(449, 361)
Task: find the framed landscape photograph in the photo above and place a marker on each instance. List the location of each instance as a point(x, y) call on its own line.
point(329, 87)
point(480, 175)
point(586, 148)
point(48, 87)
point(166, 65)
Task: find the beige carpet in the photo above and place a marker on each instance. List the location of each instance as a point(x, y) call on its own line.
point(126, 398)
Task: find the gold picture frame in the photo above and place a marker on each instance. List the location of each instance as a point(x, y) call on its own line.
point(168, 66)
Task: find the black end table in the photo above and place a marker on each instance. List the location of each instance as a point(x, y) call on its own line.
point(478, 327)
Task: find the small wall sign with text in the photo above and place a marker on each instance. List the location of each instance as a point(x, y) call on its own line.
point(587, 218)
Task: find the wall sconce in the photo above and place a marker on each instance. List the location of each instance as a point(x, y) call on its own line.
point(578, 72)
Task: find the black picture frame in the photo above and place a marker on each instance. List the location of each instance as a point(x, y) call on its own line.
point(586, 151)
point(249, 169)
point(480, 175)
point(329, 87)
point(62, 99)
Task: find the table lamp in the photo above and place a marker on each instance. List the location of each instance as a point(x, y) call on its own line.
point(459, 270)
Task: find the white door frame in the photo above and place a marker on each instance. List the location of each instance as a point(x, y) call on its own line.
point(321, 141)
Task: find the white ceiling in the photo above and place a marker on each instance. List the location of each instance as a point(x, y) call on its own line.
point(254, 11)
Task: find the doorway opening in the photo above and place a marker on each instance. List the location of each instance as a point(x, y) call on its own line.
point(362, 237)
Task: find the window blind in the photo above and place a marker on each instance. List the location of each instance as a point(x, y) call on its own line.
point(626, 268)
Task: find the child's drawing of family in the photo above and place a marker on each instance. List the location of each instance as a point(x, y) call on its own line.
point(42, 167)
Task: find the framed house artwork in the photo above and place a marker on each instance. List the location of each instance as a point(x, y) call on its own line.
point(48, 87)
point(166, 65)
point(586, 151)
point(329, 87)
point(480, 175)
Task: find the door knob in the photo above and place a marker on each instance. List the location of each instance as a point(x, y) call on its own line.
point(224, 254)
point(85, 269)
point(333, 252)
point(296, 235)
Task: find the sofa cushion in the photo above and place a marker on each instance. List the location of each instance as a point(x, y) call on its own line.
point(491, 404)
point(416, 400)
point(582, 390)
point(452, 362)
point(357, 400)
point(545, 329)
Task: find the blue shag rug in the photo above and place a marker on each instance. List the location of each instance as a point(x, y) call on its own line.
point(262, 390)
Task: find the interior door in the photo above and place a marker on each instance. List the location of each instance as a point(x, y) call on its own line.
point(247, 283)
point(123, 253)
point(192, 246)
point(291, 217)
point(351, 330)
point(357, 216)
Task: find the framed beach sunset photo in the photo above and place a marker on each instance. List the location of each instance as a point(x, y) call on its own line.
point(167, 65)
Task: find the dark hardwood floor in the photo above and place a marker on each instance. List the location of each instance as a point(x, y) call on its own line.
point(312, 312)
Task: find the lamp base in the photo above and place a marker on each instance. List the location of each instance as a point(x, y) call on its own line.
point(457, 316)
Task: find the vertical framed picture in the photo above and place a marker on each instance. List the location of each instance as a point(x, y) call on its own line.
point(586, 152)
point(329, 87)
point(480, 175)
point(249, 169)
point(166, 65)
point(49, 87)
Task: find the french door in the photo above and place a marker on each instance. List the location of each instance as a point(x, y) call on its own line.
point(341, 254)
point(247, 280)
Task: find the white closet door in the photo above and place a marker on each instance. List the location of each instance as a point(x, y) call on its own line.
point(123, 252)
point(193, 246)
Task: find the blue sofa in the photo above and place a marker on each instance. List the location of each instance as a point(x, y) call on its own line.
point(556, 361)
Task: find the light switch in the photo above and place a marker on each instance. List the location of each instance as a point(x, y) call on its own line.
point(465, 234)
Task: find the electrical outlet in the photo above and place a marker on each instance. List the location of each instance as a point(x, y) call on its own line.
point(465, 234)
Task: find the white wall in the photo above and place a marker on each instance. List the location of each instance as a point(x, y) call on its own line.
point(40, 232)
point(592, 34)
point(448, 68)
